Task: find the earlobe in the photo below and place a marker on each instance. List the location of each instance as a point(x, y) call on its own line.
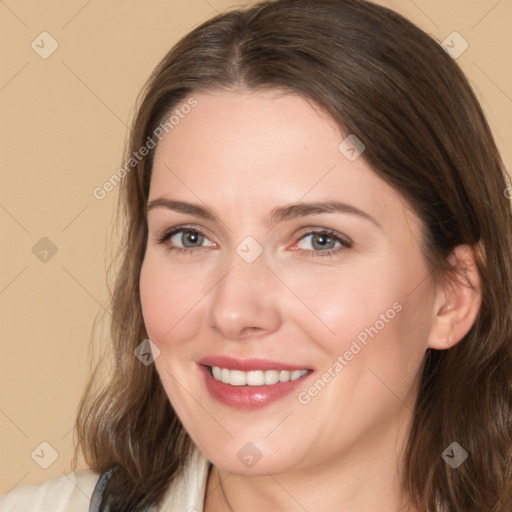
point(457, 302)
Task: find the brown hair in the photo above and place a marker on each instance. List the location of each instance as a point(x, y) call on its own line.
point(386, 81)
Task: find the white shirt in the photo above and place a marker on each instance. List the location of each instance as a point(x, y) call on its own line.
point(73, 491)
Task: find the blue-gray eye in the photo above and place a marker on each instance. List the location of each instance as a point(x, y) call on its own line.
point(188, 238)
point(321, 241)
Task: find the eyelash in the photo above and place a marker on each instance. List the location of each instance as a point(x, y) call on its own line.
point(345, 242)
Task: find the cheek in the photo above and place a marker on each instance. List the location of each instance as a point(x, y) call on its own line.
point(376, 313)
point(167, 300)
point(347, 304)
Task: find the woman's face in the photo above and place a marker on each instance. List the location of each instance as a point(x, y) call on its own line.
point(261, 289)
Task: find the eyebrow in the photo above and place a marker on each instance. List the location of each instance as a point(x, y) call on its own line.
point(278, 214)
point(302, 209)
point(182, 207)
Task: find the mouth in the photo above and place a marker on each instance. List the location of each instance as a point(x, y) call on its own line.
point(255, 377)
point(250, 384)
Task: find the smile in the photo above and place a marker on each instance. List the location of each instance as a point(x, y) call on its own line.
point(251, 383)
point(255, 377)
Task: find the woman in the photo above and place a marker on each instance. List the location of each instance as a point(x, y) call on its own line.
point(318, 245)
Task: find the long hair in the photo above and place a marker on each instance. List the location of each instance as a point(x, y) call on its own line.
point(384, 80)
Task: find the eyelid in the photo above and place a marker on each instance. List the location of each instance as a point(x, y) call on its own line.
point(310, 230)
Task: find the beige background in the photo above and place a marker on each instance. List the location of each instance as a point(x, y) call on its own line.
point(64, 122)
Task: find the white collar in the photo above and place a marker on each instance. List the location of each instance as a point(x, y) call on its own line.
point(186, 492)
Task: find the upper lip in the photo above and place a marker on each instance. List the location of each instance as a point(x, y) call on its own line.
point(247, 365)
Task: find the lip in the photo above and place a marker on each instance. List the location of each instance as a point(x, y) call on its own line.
point(248, 397)
point(246, 365)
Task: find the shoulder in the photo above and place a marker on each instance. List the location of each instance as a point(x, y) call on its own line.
point(70, 491)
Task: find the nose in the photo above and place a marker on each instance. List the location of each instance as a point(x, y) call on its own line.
point(245, 302)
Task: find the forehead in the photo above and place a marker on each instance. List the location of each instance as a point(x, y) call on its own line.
point(245, 126)
point(260, 150)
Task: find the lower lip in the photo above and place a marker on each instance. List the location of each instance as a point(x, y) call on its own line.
point(249, 397)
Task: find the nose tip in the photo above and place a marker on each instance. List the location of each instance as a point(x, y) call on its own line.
point(233, 330)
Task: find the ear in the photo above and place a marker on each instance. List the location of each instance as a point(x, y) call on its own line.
point(457, 300)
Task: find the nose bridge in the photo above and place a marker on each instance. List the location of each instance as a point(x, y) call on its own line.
point(244, 298)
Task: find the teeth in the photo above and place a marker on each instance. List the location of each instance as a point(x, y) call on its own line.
point(284, 376)
point(255, 377)
point(271, 377)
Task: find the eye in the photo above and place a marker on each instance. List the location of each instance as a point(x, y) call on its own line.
point(323, 243)
point(184, 239)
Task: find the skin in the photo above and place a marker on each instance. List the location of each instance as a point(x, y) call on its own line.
point(241, 154)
